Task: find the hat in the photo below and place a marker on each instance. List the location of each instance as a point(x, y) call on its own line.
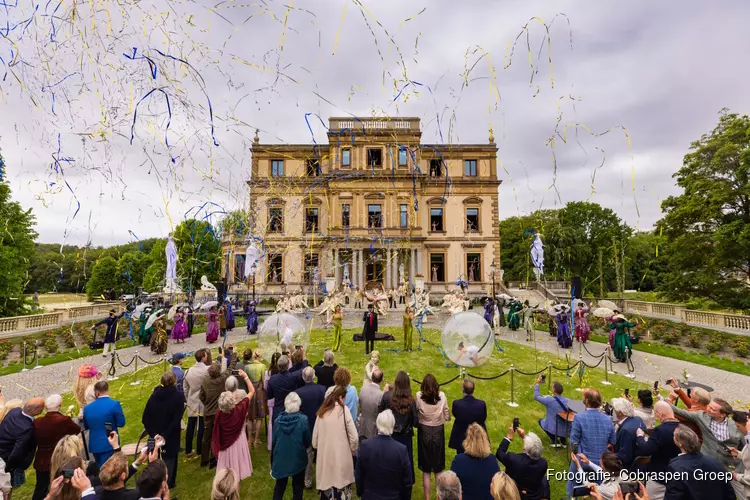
point(87, 371)
point(176, 357)
point(112, 311)
point(620, 316)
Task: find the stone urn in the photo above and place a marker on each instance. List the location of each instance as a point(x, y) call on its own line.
point(330, 284)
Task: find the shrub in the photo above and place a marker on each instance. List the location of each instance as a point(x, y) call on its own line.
point(67, 337)
point(50, 342)
point(715, 343)
point(694, 340)
point(671, 337)
point(5, 348)
point(741, 348)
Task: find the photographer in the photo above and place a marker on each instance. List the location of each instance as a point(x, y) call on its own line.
point(610, 466)
point(528, 469)
point(556, 428)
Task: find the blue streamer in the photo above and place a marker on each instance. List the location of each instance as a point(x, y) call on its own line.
point(169, 121)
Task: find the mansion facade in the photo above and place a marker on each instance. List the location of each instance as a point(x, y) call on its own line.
point(374, 204)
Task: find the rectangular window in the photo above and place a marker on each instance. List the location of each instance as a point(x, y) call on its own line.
point(436, 219)
point(275, 271)
point(277, 168)
point(346, 157)
point(472, 220)
point(311, 262)
point(436, 168)
point(473, 267)
point(403, 215)
point(470, 168)
point(374, 216)
point(313, 168)
point(311, 220)
point(437, 267)
point(239, 268)
point(275, 220)
point(401, 157)
point(375, 158)
point(345, 215)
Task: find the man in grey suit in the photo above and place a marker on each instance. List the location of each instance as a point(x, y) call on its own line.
point(719, 431)
point(369, 399)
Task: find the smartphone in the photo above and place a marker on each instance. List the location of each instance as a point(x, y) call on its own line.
point(516, 423)
point(627, 391)
point(298, 347)
point(669, 381)
point(544, 377)
point(108, 428)
point(68, 473)
point(629, 487)
point(151, 444)
point(581, 491)
point(656, 385)
point(235, 372)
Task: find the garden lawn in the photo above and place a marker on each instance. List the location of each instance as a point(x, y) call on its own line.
point(194, 482)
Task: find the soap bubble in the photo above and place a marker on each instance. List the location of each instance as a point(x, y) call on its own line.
point(468, 339)
point(281, 329)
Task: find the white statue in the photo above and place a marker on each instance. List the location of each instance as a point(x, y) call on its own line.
point(206, 286)
point(252, 259)
point(401, 272)
point(346, 281)
point(455, 302)
point(422, 306)
point(537, 256)
point(330, 303)
point(170, 250)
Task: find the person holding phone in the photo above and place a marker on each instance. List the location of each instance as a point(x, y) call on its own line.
point(528, 469)
point(101, 417)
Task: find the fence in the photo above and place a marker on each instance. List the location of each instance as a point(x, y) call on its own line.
point(20, 325)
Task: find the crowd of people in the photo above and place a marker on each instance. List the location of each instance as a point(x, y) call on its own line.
point(324, 433)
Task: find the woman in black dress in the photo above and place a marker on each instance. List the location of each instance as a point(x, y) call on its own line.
point(432, 407)
point(404, 408)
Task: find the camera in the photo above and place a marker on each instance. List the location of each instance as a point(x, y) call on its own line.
point(68, 473)
point(516, 423)
point(627, 391)
point(544, 377)
point(669, 381)
point(608, 410)
point(151, 444)
point(235, 372)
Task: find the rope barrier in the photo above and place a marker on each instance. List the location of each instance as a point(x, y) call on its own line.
point(33, 358)
point(126, 365)
point(150, 362)
point(112, 368)
point(488, 378)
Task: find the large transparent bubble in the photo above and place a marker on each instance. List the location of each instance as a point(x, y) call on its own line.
point(468, 339)
point(281, 332)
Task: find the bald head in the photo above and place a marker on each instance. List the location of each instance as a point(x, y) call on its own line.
point(663, 411)
point(33, 407)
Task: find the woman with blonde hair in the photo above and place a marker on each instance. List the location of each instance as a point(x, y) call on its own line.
point(68, 447)
point(476, 466)
point(504, 488)
point(226, 486)
point(83, 385)
point(229, 439)
point(9, 405)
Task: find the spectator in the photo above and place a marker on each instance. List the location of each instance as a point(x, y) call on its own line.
point(273, 369)
point(69, 446)
point(255, 371)
point(503, 487)
point(226, 486)
point(555, 426)
point(229, 440)
point(592, 432)
point(311, 397)
point(9, 405)
point(741, 476)
point(325, 369)
point(645, 408)
point(17, 444)
point(162, 416)
point(192, 384)
point(369, 401)
point(660, 447)
point(610, 467)
point(740, 420)
point(689, 485)
point(401, 402)
point(247, 357)
point(343, 378)
point(98, 416)
point(384, 471)
point(627, 427)
point(335, 438)
point(698, 400)
point(528, 469)
point(291, 440)
point(476, 465)
point(448, 486)
point(466, 411)
point(284, 382)
point(371, 366)
point(212, 387)
point(152, 483)
point(298, 360)
point(48, 430)
point(176, 360)
point(719, 431)
point(433, 413)
point(74, 488)
point(115, 472)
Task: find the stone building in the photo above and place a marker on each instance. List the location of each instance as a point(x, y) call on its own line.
point(374, 204)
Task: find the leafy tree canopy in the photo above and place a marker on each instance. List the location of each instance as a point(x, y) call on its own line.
point(103, 277)
point(198, 251)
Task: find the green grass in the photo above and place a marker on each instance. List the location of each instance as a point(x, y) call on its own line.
point(59, 298)
point(195, 482)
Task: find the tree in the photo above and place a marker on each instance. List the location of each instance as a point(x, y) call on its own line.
point(646, 255)
point(16, 249)
point(235, 224)
point(708, 225)
point(154, 278)
point(198, 251)
point(131, 270)
point(103, 277)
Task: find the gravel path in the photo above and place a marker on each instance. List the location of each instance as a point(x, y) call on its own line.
point(649, 367)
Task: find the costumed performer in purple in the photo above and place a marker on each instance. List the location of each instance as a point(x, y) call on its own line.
point(582, 326)
point(489, 312)
point(252, 317)
point(212, 328)
point(180, 328)
point(564, 337)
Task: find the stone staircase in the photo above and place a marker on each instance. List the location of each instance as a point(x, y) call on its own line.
point(524, 294)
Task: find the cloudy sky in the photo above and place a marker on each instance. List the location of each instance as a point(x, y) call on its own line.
point(131, 164)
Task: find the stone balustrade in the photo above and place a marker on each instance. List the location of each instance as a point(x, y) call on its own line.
point(22, 325)
point(734, 323)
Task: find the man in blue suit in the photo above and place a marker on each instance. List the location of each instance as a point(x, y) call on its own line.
point(660, 446)
point(466, 411)
point(384, 471)
point(555, 427)
point(17, 443)
point(104, 412)
point(627, 431)
point(696, 476)
point(592, 432)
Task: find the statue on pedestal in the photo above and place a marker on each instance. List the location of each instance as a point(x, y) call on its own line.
point(170, 250)
point(537, 256)
point(206, 286)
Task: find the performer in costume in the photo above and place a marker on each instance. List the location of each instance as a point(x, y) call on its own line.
point(514, 315)
point(370, 328)
point(160, 338)
point(489, 310)
point(609, 321)
point(371, 366)
point(528, 320)
point(230, 315)
point(110, 337)
point(469, 354)
point(582, 326)
point(564, 337)
point(501, 310)
point(179, 330)
point(190, 320)
point(144, 335)
point(212, 328)
point(623, 347)
point(252, 319)
point(408, 325)
point(222, 315)
point(338, 317)
point(552, 326)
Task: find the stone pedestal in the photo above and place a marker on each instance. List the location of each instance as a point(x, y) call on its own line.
point(330, 284)
point(419, 282)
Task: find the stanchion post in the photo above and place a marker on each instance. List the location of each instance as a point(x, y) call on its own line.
point(606, 370)
point(512, 401)
point(24, 358)
point(164, 363)
point(135, 370)
point(114, 366)
point(36, 354)
point(549, 376)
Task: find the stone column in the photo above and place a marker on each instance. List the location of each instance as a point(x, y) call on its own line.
point(362, 277)
point(412, 265)
point(418, 251)
point(396, 258)
point(355, 279)
point(337, 268)
point(387, 280)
